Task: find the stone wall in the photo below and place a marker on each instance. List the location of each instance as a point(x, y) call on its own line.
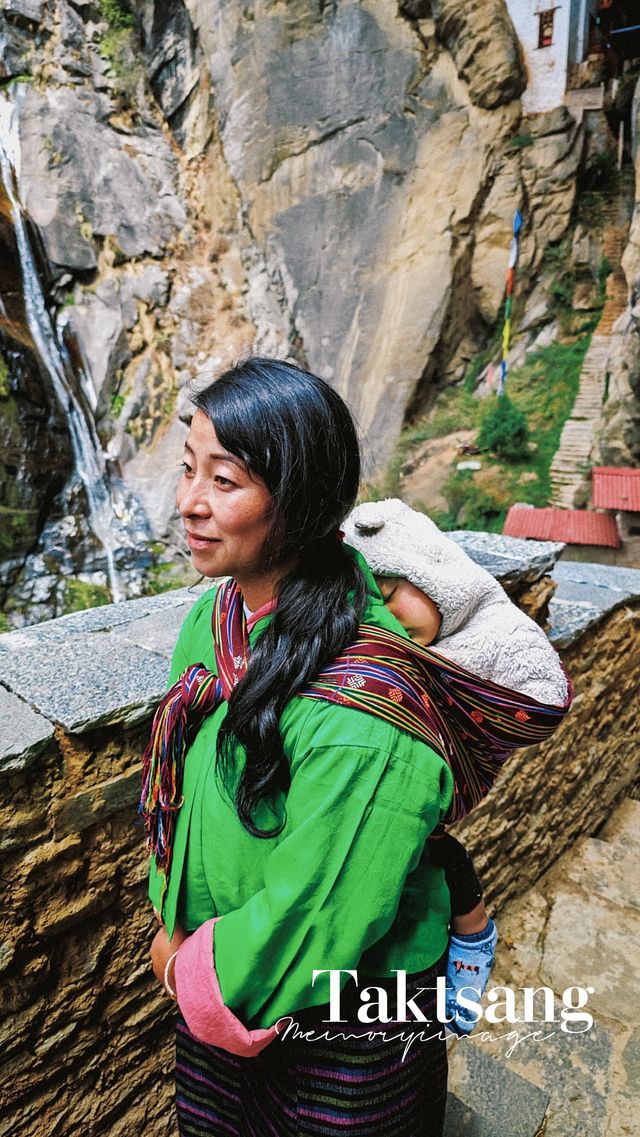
point(86, 1040)
point(549, 796)
point(87, 1037)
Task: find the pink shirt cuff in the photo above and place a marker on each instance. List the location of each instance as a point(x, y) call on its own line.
point(201, 1002)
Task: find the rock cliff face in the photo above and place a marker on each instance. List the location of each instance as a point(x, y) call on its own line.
point(618, 436)
point(378, 182)
point(332, 180)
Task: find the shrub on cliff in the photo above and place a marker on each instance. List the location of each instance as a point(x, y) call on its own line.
point(116, 14)
point(504, 430)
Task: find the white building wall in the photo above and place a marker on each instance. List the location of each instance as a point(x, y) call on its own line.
point(546, 66)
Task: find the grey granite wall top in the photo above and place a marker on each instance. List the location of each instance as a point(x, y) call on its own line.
point(88, 669)
point(510, 559)
point(584, 594)
point(110, 664)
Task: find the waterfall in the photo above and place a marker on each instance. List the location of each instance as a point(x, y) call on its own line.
point(89, 458)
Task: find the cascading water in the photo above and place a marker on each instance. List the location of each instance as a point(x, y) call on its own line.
point(89, 458)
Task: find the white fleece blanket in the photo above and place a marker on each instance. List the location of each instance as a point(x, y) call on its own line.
point(481, 628)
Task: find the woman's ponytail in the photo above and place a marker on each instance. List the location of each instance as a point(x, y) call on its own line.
point(318, 613)
point(295, 432)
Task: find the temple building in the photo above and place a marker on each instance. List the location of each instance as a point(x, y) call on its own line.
point(573, 45)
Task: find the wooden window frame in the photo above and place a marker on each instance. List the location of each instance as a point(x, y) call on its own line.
point(547, 17)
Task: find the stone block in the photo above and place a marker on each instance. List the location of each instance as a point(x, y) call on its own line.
point(24, 733)
point(584, 594)
point(624, 827)
point(106, 617)
point(607, 870)
point(61, 917)
point(462, 1121)
point(83, 681)
point(568, 621)
point(576, 1072)
point(151, 285)
point(158, 631)
point(97, 802)
point(509, 559)
point(494, 1098)
point(23, 827)
point(601, 585)
point(587, 942)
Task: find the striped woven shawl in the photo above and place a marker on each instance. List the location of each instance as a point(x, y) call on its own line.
point(472, 723)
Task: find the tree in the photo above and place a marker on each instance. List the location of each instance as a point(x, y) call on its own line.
point(504, 430)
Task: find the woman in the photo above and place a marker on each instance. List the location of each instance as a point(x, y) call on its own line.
point(292, 838)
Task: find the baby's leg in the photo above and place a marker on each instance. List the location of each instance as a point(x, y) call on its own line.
point(473, 935)
point(468, 913)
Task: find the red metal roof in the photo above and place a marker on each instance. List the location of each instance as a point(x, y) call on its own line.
point(573, 526)
point(616, 487)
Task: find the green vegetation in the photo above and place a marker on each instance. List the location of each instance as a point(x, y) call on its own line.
point(18, 525)
point(504, 430)
point(591, 209)
point(79, 594)
point(456, 406)
point(162, 576)
point(557, 259)
point(116, 405)
point(601, 174)
point(116, 14)
point(5, 83)
point(562, 290)
point(456, 409)
point(493, 348)
point(5, 379)
point(520, 142)
point(118, 44)
point(557, 262)
point(600, 183)
point(540, 395)
point(5, 626)
point(544, 391)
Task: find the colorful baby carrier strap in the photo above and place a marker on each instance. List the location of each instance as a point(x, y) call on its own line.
point(472, 723)
point(179, 716)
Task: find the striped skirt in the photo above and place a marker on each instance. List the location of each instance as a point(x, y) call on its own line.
point(298, 1087)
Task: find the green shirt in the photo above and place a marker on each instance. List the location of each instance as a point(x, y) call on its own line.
point(347, 884)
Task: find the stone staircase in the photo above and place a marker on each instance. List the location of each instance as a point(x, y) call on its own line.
point(570, 484)
point(579, 926)
point(570, 464)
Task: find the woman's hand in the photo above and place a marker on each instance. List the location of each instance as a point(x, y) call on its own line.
point(163, 948)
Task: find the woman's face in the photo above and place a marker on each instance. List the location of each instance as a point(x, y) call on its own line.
point(227, 513)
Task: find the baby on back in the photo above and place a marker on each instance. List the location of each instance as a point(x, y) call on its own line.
point(442, 597)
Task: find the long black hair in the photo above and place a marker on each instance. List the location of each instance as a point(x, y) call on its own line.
point(291, 429)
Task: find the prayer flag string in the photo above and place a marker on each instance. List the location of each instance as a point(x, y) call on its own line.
point(511, 274)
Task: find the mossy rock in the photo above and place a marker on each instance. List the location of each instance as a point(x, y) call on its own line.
point(80, 594)
point(18, 531)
